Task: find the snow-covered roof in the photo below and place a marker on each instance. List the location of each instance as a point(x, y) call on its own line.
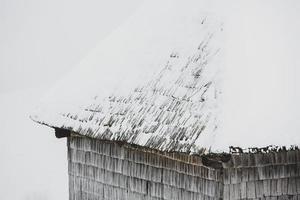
point(153, 82)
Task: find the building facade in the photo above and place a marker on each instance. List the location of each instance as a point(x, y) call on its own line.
point(142, 112)
point(102, 170)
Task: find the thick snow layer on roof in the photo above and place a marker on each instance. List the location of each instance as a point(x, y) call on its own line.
point(153, 82)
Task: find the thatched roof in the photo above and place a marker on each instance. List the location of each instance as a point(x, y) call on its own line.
point(168, 55)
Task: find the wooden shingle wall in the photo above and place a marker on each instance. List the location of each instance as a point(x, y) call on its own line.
point(106, 170)
point(273, 176)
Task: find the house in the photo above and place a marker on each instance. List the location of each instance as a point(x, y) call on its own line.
point(147, 130)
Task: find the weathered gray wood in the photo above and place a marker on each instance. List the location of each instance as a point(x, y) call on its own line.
point(107, 170)
point(273, 175)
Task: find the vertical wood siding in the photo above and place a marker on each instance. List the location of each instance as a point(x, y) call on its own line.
point(105, 170)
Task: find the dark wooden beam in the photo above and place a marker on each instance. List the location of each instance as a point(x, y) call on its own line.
point(61, 133)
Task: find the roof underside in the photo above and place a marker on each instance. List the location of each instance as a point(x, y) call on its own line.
point(175, 109)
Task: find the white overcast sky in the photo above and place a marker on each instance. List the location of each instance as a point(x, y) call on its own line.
point(41, 41)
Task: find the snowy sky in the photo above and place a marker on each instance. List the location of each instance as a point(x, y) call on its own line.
point(41, 41)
